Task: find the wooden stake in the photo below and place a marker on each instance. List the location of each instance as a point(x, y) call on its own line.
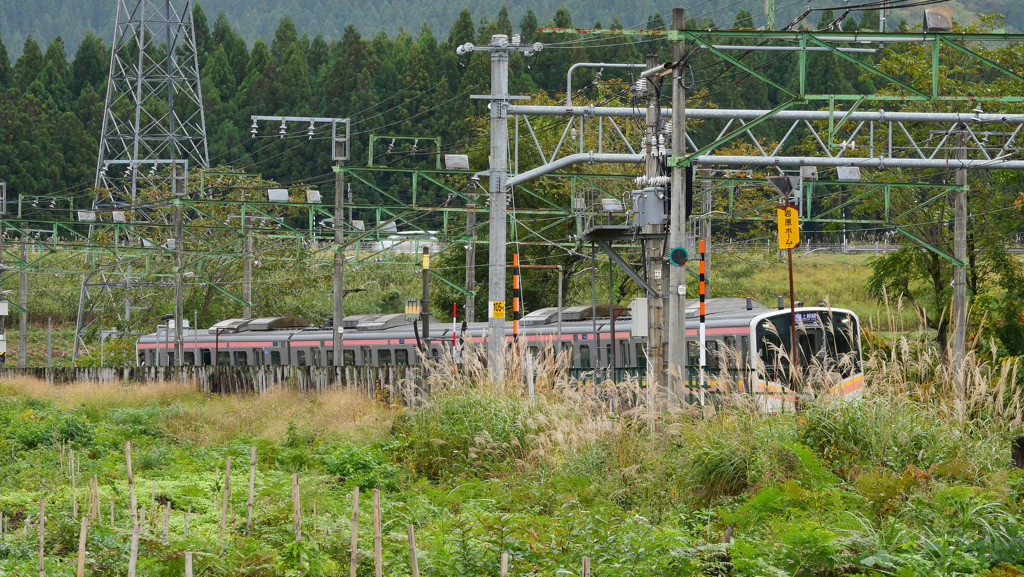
point(378, 561)
point(111, 510)
point(354, 559)
point(74, 490)
point(133, 555)
point(167, 519)
point(296, 510)
point(504, 564)
point(586, 567)
point(81, 546)
point(152, 500)
point(227, 496)
point(314, 517)
point(252, 492)
point(42, 542)
point(188, 564)
point(412, 552)
point(133, 505)
point(187, 513)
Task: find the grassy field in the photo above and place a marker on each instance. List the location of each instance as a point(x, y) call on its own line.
point(907, 482)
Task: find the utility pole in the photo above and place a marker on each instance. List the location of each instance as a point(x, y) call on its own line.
point(960, 270)
point(247, 268)
point(498, 216)
point(339, 153)
point(425, 302)
point(655, 248)
point(179, 263)
point(677, 224)
point(471, 257)
point(338, 322)
point(23, 302)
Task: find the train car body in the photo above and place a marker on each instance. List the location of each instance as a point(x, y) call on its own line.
point(746, 345)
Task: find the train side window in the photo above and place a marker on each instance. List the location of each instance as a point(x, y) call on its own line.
point(300, 357)
point(223, 358)
point(349, 357)
point(367, 356)
point(241, 359)
point(207, 357)
point(330, 357)
point(692, 353)
point(275, 357)
point(641, 358)
point(534, 351)
point(713, 355)
point(384, 357)
point(624, 360)
point(608, 355)
point(257, 357)
point(744, 351)
point(401, 357)
point(170, 359)
point(190, 358)
point(314, 357)
point(729, 352)
point(584, 356)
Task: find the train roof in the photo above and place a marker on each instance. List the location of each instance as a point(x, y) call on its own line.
point(719, 313)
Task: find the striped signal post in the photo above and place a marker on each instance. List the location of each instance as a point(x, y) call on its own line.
point(516, 295)
point(702, 332)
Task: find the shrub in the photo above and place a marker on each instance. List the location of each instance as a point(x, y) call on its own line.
point(465, 431)
point(361, 466)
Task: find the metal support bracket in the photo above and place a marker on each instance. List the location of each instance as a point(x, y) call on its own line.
point(626, 268)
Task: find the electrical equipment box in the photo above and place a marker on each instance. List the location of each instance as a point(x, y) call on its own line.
point(638, 311)
point(648, 207)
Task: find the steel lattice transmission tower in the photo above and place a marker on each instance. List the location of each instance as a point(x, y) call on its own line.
point(154, 127)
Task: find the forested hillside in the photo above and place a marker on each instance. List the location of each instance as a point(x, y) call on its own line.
point(70, 19)
point(413, 85)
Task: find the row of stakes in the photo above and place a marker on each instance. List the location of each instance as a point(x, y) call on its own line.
point(139, 516)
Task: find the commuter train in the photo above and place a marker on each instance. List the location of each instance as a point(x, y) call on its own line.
point(744, 340)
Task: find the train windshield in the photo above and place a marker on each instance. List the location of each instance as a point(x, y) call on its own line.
point(824, 338)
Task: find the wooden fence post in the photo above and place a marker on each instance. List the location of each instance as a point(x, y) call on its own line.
point(252, 491)
point(413, 564)
point(586, 567)
point(354, 559)
point(133, 555)
point(224, 503)
point(81, 546)
point(133, 504)
point(296, 508)
point(167, 519)
point(42, 542)
point(188, 564)
point(378, 561)
point(504, 564)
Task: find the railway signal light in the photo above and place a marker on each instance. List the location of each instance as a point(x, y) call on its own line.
point(678, 256)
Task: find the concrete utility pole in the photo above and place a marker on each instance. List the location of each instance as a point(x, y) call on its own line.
point(655, 256)
point(471, 258)
point(23, 302)
point(179, 263)
point(960, 271)
point(676, 291)
point(246, 263)
point(498, 216)
point(338, 321)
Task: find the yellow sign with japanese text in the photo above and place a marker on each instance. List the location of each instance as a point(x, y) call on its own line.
point(497, 309)
point(789, 227)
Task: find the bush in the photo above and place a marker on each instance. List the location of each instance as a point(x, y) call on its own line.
point(466, 431)
point(361, 466)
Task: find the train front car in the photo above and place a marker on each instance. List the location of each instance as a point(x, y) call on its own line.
point(828, 356)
